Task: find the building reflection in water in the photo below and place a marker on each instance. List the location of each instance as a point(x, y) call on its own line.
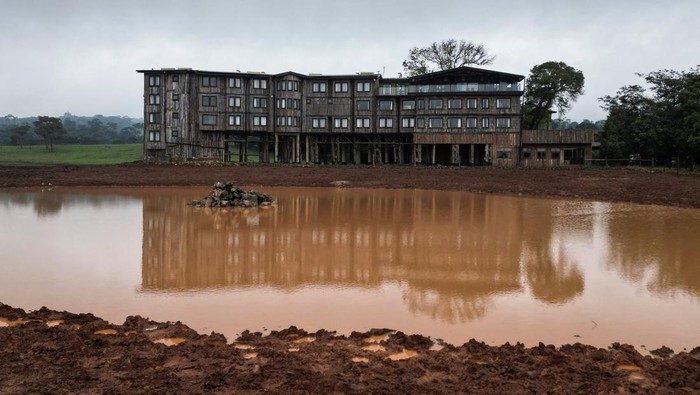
point(452, 251)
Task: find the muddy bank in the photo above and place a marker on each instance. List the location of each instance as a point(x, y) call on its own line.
point(615, 185)
point(51, 351)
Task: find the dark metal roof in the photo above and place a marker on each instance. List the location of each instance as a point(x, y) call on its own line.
point(261, 74)
point(468, 71)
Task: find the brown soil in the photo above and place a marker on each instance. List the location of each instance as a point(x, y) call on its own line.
point(72, 356)
point(58, 352)
point(618, 185)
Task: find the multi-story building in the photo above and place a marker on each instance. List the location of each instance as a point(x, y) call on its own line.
point(462, 116)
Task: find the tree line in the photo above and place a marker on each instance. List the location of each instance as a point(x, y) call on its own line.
point(70, 129)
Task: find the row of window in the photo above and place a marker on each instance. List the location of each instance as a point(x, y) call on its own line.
point(361, 105)
point(555, 153)
point(258, 83)
point(342, 123)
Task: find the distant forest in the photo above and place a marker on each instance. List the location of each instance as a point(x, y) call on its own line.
point(97, 129)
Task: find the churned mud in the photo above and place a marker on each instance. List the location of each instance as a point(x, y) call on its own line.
point(47, 351)
point(612, 185)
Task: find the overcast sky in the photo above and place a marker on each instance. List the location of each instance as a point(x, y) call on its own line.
point(81, 56)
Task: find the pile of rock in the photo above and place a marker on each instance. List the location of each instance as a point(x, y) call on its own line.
point(227, 195)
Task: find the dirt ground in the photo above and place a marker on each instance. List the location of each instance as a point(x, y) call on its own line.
point(58, 352)
point(617, 185)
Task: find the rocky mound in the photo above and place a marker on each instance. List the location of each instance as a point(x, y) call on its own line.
point(225, 194)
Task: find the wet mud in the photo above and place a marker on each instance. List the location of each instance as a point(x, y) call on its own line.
point(48, 351)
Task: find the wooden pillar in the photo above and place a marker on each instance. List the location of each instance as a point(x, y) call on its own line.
point(471, 154)
point(455, 154)
point(277, 156)
point(432, 159)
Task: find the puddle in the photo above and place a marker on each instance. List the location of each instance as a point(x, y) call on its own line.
point(360, 359)
point(106, 332)
point(243, 346)
point(628, 368)
point(378, 338)
point(53, 323)
point(304, 340)
point(293, 350)
point(4, 322)
point(405, 354)
point(250, 355)
point(373, 348)
point(170, 341)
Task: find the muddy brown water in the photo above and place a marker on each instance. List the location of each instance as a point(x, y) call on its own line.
point(448, 265)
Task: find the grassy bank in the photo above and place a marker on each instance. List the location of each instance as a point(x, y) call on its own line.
point(71, 154)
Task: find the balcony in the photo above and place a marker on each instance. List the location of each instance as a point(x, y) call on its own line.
point(402, 90)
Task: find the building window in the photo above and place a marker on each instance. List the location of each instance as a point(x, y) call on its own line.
point(526, 153)
point(154, 135)
point(281, 121)
point(176, 78)
point(362, 122)
point(386, 105)
point(260, 120)
point(420, 104)
point(296, 103)
point(363, 86)
point(362, 105)
point(208, 101)
point(471, 123)
point(341, 123)
point(408, 122)
point(154, 80)
point(153, 99)
point(290, 85)
point(259, 84)
point(234, 82)
point(296, 86)
point(234, 101)
point(472, 103)
point(420, 123)
point(435, 123)
point(455, 122)
point(555, 153)
point(281, 103)
point(260, 102)
point(408, 105)
point(484, 103)
point(154, 117)
point(504, 153)
point(208, 119)
point(176, 96)
point(176, 115)
point(435, 103)
point(541, 153)
point(484, 123)
point(386, 123)
point(174, 133)
point(282, 85)
point(502, 122)
point(454, 103)
point(209, 81)
point(318, 87)
point(341, 87)
point(234, 120)
point(503, 103)
point(318, 123)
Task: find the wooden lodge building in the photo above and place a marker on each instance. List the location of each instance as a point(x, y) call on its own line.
point(461, 116)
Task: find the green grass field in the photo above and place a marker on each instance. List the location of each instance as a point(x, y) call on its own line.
point(71, 154)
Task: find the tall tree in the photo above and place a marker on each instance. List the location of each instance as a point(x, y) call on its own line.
point(446, 54)
point(550, 85)
point(50, 129)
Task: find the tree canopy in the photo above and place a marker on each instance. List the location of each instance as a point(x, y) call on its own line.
point(50, 129)
point(443, 55)
point(550, 85)
point(662, 122)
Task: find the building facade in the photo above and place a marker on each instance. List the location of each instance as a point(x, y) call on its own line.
point(462, 116)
